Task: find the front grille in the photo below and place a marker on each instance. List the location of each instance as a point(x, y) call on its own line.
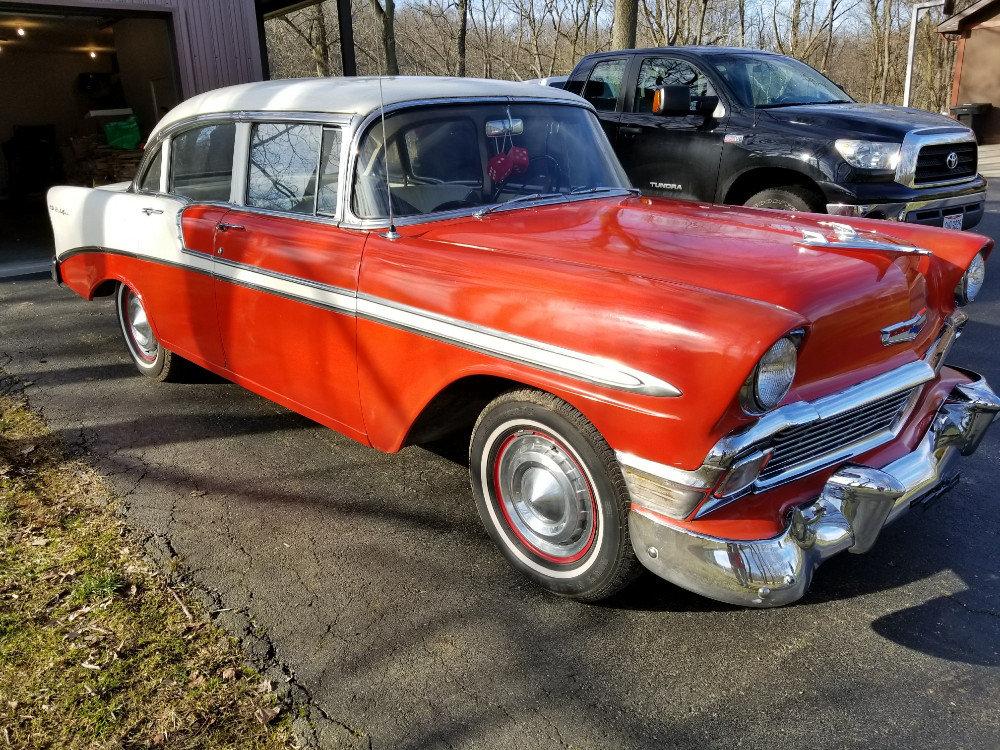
point(932, 162)
point(832, 437)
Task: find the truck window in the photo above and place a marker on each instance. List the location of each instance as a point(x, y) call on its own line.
point(605, 84)
point(667, 71)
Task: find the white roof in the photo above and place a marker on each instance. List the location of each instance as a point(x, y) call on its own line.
point(349, 96)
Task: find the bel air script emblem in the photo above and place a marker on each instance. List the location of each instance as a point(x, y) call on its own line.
point(907, 330)
point(951, 160)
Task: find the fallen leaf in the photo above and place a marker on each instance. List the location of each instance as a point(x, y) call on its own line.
point(198, 493)
point(267, 714)
point(229, 673)
point(29, 449)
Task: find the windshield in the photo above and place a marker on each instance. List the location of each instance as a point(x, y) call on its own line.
point(452, 157)
point(772, 81)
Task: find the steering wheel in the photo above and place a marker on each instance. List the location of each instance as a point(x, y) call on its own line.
point(550, 180)
point(469, 201)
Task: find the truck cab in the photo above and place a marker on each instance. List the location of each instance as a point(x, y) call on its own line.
point(760, 129)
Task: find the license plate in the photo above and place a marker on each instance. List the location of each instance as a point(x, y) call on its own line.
point(953, 222)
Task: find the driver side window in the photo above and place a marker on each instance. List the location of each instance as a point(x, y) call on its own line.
point(668, 71)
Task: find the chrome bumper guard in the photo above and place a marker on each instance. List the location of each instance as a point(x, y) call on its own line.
point(854, 506)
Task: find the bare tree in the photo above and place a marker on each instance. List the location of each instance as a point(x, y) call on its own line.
point(385, 11)
point(626, 18)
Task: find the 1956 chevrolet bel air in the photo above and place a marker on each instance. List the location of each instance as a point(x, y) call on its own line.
point(726, 396)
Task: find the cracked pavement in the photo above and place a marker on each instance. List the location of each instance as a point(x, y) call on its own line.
point(377, 587)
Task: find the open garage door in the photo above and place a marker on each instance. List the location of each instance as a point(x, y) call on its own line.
point(80, 92)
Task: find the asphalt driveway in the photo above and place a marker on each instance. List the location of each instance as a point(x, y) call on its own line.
point(378, 587)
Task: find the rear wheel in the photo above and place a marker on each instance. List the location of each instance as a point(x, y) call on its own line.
point(787, 198)
point(551, 495)
point(151, 358)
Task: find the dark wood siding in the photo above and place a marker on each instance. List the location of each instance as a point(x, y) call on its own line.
point(217, 41)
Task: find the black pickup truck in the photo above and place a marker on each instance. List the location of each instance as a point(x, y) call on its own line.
point(759, 129)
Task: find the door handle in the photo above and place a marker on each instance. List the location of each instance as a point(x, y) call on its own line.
point(224, 227)
point(631, 130)
point(151, 211)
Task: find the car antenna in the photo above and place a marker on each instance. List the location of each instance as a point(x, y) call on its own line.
point(391, 233)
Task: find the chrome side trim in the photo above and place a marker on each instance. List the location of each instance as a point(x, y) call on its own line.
point(906, 170)
point(507, 346)
point(849, 238)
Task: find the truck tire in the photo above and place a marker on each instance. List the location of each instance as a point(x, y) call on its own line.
point(786, 198)
point(552, 496)
point(151, 358)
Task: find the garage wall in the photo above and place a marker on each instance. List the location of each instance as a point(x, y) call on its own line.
point(39, 89)
point(980, 80)
point(217, 40)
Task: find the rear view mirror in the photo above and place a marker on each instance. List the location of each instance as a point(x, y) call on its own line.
point(503, 128)
point(672, 100)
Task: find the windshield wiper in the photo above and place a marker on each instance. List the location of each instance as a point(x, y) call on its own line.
point(588, 191)
point(516, 199)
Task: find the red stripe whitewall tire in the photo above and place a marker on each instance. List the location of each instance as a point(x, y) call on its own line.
point(151, 358)
point(552, 496)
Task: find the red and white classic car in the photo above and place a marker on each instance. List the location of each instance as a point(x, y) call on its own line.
point(725, 396)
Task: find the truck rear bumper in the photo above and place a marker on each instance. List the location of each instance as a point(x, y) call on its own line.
point(850, 512)
point(929, 212)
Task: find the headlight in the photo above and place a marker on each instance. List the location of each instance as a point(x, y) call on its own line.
point(868, 154)
point(972, 281)
point(771, 378)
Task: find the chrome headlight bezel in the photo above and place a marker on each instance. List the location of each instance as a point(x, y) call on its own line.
point(772, 376)
point(972, 281)
point(871, 155)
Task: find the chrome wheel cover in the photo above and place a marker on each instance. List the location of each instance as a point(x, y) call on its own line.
point(545, 496)
point(138, 332)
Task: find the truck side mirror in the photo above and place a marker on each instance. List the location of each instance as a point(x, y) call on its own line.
point(672, 101)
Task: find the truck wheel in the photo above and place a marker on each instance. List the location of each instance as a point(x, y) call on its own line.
point(552, 496)
point(150, 357)
point(787, 198)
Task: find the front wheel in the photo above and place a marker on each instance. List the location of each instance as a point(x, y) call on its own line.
point(151, 358)
point(551, 495)
point(787, 198)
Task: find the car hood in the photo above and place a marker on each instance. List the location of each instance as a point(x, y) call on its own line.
point(860, 121)
point(843, 295)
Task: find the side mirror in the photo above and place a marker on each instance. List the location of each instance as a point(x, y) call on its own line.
point(672, 101)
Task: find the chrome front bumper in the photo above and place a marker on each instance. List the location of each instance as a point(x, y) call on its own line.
point(854, 506)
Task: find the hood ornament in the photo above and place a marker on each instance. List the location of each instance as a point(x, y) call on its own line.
point(848, 238)
point(904, 331)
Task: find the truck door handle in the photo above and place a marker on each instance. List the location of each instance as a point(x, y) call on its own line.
point(151, 211)
point(631, 130)
point(224, 227)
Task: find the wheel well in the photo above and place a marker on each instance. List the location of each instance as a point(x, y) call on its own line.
point(455, 409)
point(752, 182)
point(106, 288)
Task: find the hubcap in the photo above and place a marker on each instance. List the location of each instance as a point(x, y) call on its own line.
point(138, 328)
point(545, 496)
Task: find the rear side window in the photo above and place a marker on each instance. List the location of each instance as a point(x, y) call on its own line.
point(150, 182)
point(283, 167)
point(201, 162)
point(605, 84)
point(668, 71)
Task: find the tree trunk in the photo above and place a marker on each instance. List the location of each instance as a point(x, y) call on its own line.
point(463, 21)
point(387, 17)
point(626, 19)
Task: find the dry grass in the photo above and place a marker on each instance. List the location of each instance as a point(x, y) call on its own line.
point(96, 649)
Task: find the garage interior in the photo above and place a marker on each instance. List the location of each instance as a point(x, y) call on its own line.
point(80, 93)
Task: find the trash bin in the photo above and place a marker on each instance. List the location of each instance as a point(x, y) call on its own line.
point(973, 116)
